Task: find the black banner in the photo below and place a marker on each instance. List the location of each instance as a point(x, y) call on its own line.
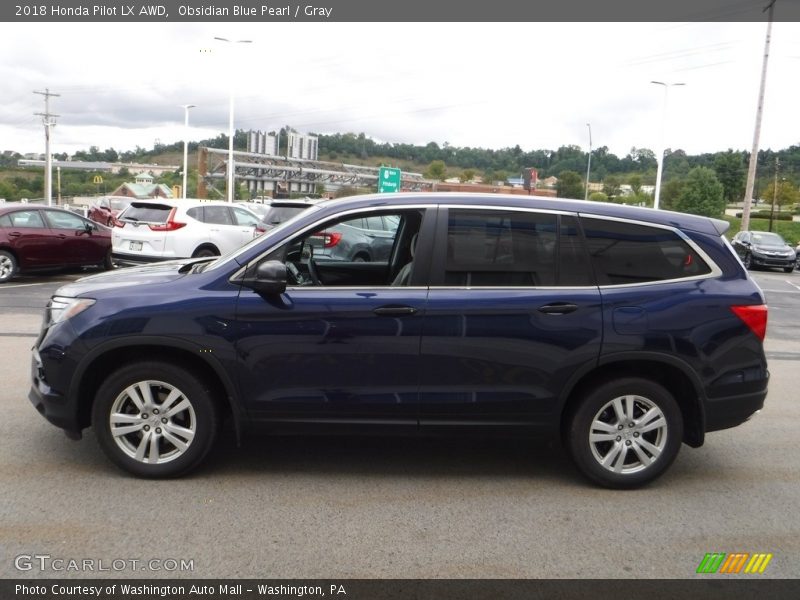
point(711, 588)
point(265, 11)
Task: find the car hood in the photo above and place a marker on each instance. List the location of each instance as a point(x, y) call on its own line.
point(128, 276)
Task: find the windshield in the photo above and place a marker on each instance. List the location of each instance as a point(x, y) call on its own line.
point(768, 239)
point(118, 204)
point(279, 214)
point(226, 258)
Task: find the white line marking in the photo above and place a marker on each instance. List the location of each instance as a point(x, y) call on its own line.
point(19, 285)
point(792, 284)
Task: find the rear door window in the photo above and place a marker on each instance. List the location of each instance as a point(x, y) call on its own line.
point(625, 253)
point(27, 218)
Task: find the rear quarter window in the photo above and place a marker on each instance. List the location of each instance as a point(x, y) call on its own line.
point(625, 253)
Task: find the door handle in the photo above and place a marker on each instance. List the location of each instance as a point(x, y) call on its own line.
point(394, 311)
point(558, 308)
point(14, 234)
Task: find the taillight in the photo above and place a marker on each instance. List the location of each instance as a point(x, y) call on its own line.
point(329, 238)
point(755, 317)
point(259, 230)
point(170, 225)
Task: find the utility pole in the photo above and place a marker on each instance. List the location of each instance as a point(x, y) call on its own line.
point(751, 169)
point(589, 164)
point(774, 193)
point(49, 121)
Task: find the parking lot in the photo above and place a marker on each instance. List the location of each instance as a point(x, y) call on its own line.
point(306, 507)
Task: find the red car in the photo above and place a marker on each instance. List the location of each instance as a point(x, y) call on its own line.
point(33, 237)
point(106, 208)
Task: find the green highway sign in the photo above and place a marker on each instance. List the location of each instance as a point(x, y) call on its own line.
point(388, 180)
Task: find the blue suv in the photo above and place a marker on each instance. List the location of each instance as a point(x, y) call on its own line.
point(622, 331)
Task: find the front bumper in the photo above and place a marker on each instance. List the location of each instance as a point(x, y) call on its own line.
point(762, 260)
point(53, 406)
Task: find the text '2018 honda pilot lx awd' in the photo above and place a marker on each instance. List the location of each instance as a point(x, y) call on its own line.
point(623, 331)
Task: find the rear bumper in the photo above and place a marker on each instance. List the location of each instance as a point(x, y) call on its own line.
point(138, 259)
point(730, 411)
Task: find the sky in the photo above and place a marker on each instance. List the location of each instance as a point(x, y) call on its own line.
point(489, 85)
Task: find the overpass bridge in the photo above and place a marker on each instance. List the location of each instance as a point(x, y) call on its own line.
point(270, 173)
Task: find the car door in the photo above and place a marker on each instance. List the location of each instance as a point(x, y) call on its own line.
point(224, 233)
point(345, 351)
point(34, 243)
point(512, 314)
point(79, 240)
point(246, 223)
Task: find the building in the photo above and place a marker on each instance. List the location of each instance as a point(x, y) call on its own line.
point(143, 188)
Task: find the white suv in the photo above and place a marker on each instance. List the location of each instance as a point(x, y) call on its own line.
point(166, 229)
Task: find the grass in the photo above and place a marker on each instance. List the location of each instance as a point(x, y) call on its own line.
point(788, 230)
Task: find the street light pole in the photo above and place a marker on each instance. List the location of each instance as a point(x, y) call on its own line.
point(589, 164)
point(186, 108)
point(663, 149)
point(231, 166)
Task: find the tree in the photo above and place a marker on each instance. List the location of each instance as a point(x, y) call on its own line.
point(729, 167)
point(702, 194)
point(611, 186)
point(570, 185)
point(787, 193)
point(598, 197)
point(467, 175)
point(635, 181)
point(670, 192)
point(436, 170)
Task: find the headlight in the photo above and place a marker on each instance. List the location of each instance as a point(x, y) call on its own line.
point(61, 308)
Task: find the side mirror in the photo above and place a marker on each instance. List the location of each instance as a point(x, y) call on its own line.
point(270, 278)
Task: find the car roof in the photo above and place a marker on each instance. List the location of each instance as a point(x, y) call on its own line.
point(606, 209)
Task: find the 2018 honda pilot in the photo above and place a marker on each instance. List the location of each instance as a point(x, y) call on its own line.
point(622, 331)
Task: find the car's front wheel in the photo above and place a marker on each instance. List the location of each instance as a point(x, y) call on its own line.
point(748, 261)
point(155, 419)
point(625, 433)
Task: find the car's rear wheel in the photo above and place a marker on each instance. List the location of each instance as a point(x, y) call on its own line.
point(8, 266)
point(155, 419)
point(625, 433)
point(205, 252)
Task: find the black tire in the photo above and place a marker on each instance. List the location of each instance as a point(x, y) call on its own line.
point(788, 269)
point(172, 388)
point(630, 451)
point(748, 261)
point(108, 261)
point(205, 252)
point(8, 266)
point(361, 257)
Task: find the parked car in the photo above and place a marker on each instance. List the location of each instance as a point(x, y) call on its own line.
point(364, 239)
point(33, 237)
point(106, 208)
point(764, 249)
point(281, 211)
point(260, 209)
point(157, 230)
point(797, 256)
point(623, 331)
